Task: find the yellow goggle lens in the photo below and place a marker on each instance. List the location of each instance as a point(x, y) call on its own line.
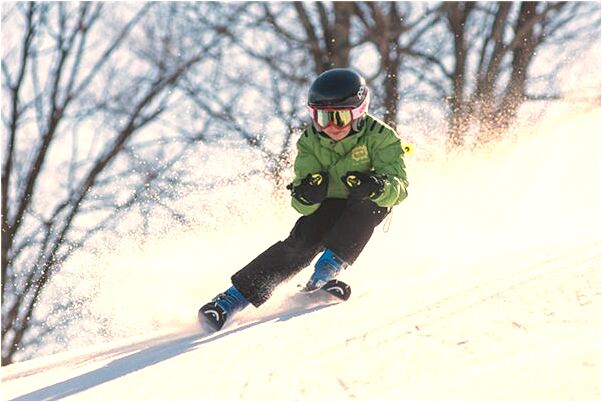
point(339, 118)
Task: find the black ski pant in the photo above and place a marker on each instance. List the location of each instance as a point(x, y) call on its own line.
point(344, 226)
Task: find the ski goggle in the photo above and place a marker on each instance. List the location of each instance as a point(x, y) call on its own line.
point(336, 117)
point(325, 117)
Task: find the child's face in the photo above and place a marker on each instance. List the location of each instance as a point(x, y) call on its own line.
point(336, 133)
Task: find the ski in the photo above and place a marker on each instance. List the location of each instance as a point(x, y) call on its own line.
point(213, 316)
point(334, 287)
point(338, 289)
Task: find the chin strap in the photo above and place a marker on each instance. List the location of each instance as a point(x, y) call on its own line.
point(358, 124)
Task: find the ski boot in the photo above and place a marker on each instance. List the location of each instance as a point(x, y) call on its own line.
point(327, 268)
point(224, 305)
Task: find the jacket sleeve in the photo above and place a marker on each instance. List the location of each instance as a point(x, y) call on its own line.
point(306, 163)
point(387, 161)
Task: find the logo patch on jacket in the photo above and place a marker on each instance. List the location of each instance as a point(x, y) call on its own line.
point(359, 153)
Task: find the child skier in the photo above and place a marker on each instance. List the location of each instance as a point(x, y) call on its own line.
point(349, 173)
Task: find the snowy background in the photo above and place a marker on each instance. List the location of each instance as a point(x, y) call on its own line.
point(493, 292)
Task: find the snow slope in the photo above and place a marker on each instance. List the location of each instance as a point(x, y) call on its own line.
point(494, 294)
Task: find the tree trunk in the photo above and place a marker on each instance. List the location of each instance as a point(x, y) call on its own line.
point(340, 40)
point(459, 119)
point(522, 56)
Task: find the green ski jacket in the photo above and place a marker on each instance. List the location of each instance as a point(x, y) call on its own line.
point(374, 149)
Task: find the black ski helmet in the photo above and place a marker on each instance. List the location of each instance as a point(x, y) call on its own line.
point(338, 88)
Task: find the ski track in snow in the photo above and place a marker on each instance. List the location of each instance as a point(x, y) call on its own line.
point(517, 321)
point(401, 345)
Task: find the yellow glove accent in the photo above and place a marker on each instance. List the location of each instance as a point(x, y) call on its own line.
point(353, 181)
point(316, 179)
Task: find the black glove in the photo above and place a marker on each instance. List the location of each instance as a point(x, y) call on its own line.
point(363, 185)
point(312, 189)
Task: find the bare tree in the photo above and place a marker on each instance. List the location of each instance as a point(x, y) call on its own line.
point(78, 151)
point(494, 46)
point(290, 44)
point(396, 32)
point(469, 60)
point(258, 98)
point(99, 108)
point(314, 37)
point(327, 32)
